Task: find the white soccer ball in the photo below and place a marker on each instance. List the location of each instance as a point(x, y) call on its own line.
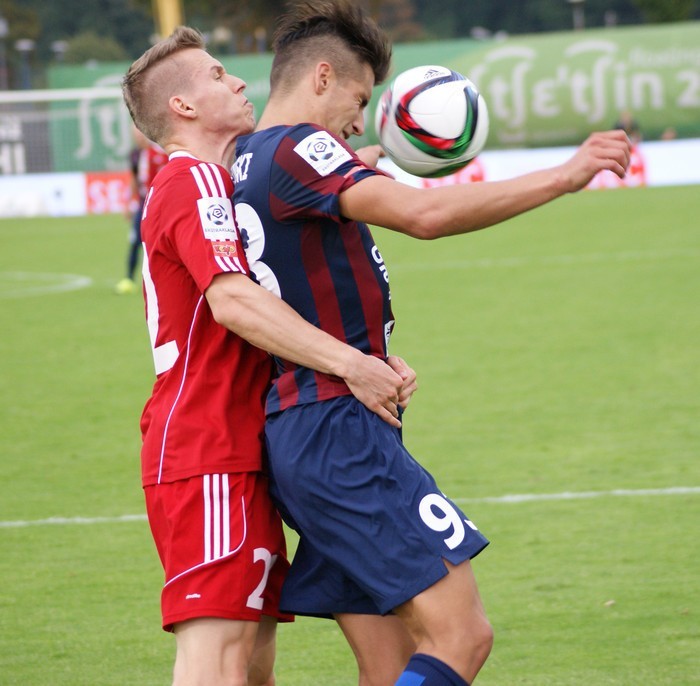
point(432, 121)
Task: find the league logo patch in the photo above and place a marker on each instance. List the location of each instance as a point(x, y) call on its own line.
point(322, 152)
point(216, 215)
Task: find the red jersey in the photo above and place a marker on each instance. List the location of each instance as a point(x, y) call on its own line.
point(205, 415)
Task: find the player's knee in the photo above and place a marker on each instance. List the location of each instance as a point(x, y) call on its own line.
point(470, 640)
point(483, 640)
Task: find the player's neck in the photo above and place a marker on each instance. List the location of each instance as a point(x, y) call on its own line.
point(287, 111)
point(205, 151)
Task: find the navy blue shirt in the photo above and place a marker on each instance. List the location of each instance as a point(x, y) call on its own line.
point(287, 186)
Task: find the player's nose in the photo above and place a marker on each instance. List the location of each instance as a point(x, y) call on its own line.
point(358, 125)
point(238, 85)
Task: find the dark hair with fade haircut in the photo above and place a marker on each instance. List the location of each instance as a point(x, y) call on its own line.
point(139, 88)
point(334, 30)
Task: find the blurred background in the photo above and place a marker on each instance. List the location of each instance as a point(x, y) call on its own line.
point(551, 72)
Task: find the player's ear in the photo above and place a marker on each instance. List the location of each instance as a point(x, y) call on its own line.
point(181, 107)
point(322, 77)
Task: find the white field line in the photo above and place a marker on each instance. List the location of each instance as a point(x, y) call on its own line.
point(19, 284)
point(504, 499)
point(27, 284)
point(65, 521)
point(583, 495)
point(542, 260)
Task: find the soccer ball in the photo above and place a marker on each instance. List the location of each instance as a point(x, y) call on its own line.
point(432, 121)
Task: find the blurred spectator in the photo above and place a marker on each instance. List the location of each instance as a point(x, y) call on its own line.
point(669, 134)
point(629, 125)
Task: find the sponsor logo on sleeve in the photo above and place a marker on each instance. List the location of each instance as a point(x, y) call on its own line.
point(322, 152)
point(216, 216)
point(224, 248)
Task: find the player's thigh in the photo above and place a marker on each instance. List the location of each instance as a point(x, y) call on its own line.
point(381, 643)
point(213, 651)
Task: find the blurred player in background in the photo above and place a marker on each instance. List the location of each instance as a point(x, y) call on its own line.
point(218, 535)
point(382, 549)
point(145, 161)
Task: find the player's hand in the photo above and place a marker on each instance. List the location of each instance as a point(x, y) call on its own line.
point(377, 386)
point(609, 150)
point(410, 385)
point(370, 154)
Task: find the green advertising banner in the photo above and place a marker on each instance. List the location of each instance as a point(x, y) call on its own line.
point(541, 90)
point(94, 133)
point(556, 88)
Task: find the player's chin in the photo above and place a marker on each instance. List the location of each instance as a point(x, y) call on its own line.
point(248, 125)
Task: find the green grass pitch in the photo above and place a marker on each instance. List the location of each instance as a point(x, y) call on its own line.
point(556, 354)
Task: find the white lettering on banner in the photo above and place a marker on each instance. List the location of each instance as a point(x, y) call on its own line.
point(12, 151)
point(113, 125)
point(594, 79)
point(690, 97)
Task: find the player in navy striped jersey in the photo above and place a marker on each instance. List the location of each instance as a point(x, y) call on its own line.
point(381, 548)
point(218, 536)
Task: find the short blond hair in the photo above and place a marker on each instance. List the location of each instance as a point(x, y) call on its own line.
point(146, 98)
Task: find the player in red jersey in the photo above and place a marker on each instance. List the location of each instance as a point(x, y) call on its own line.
point(146, 160)
point(379, 540)
point(218, 536)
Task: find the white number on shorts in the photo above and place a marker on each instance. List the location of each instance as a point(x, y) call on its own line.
point(255, 599)
point(448, 518)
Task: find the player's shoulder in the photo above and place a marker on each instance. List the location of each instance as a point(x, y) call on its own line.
point(275, 136)
point(320, 149)
point(191, 178)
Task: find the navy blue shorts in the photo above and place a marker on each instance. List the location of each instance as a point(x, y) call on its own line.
point(374, 526)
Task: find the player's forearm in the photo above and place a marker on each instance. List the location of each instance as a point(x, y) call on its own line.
point(267, 322)
point(451, 210)
point(462, 209)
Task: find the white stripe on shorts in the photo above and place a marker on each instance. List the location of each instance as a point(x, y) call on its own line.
point(217, 516)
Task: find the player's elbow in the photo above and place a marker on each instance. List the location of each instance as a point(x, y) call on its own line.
point(425, 222)
point(222, 302)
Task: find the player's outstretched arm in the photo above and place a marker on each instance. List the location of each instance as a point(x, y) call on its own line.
point(445, 211)
point(269, 323)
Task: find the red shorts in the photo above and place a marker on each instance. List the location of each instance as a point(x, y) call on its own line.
point(221, 543)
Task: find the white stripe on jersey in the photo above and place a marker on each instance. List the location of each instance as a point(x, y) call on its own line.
point(230, 264)
point(209, 180)
point(213, 176)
